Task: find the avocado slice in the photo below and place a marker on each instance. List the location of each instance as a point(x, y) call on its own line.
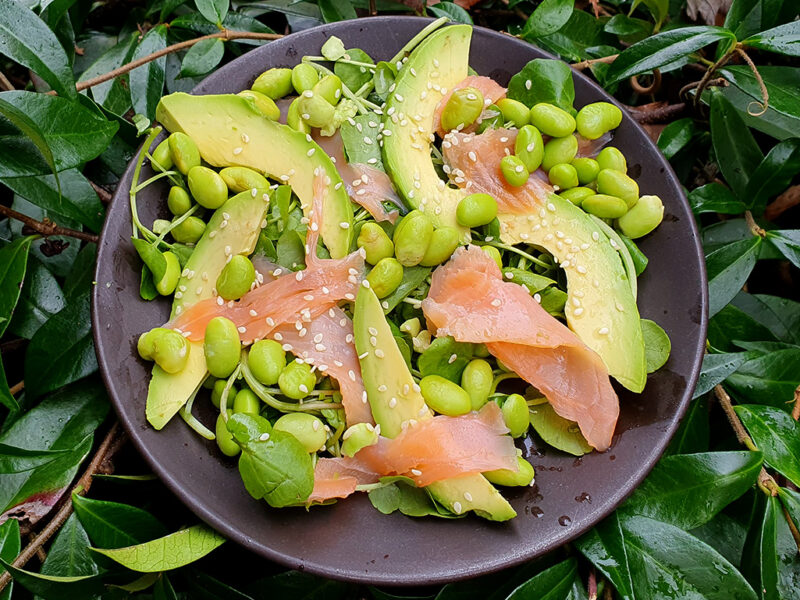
point(435, 66)
point(395, 399)
point(168, 392)
point(230, 131)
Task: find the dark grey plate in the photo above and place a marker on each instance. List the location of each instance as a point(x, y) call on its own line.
point(351, 540)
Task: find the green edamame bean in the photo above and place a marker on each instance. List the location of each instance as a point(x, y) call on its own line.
point(225, 442)
point(266, 360)
point(617, 183)
point(274, 83)
point(185, 154)
point(611, 158)
point(144, 345)
point(444, 396)
point(412, 238)
point(476, 210)
point(529, 147)
point(523, 476)
point(515, 415)
point(577, 195)
point(166, 347)
point(178, 200)
point(604, 206)
point(242, 179)
point(514, 170)
point(494, 254)
point(477, 379)
point(304, 77)
point(330, 88)
point(358, 436)
point(373, 239)
point(247, 402)
point(169, 281)
point(643, 218)
point(315, 110)
point(236, 278)
point(444, 242)
point(308, 429)
point(162, 157)
point(491, 118)
point(462, 109)
point(189, 230)
point(385, 276)
point(216, 392)
point(207, 187)
point(264, 104)
point(552, 120)
point(412, 327)
point(294, 120)
point(296, 380)
point(559, 150)
point(480, 350)
point(563, 176)
point(595, 119)
point(515, 113)
point(222, 347)
point(587, 169)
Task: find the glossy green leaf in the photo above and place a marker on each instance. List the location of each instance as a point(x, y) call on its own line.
point(627, 27)
point(658, 9)
point(401, 495)
point(214, 11)
point(768, 379)
point(202, 57)
point(783, 39)
point(147, 81)
point(718, 367)
point(788, 243)
point(18, 460)
point(746, 17)
point(30, 129)
point(638, 257)
point(714, 198)
point(113, 95)
point(169, 552)
point(353, 76)
point(557, 431)
point(574, 40)
point(774, 174)
point(54, 587)
point(657, 346)
point(728, 269)
point(41, 297)
point(336, 10)
point(453, 11)
point(554, 583)
point(543, 80)
point(115, 525)
point(69, 555)
point(13, 263)
point(163, 590)
point(676, 136)
point(412, 279)
point(234, 21)
point(6, 397)
point(694, 431)
point(79, 279)
point(549, 17)
point(726, 535)
point(10, 546)
point(445, 357)
point(781, 316)
point(295, 584)
point(776, 434)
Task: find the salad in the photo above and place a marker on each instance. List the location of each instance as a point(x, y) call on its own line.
point(385, 272)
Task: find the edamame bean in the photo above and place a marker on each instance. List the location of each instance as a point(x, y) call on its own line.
point(563, 176)
point(552, 120)
point(144, 345)
point(178, 200)
point(207, 187)
point(617, 183)
point(529, 147)
point(274, 83)
point(246, 402)
point(444, 242)
point(643, 218)
point(559, 150)
point(491, 118)
point(462, 109)
point(444, 396)
point(185, 154)
point(242, 179)
point(330, 88)
point(293, 119)
point(515, 415)
point(480, 350)
point(412, 237)
point(236, 278)
point(477, 379)
point(166, 347)
point(225, 442)
point(373, 239)
point(514, 170)
point(476, 210)
point(494, 254)
point(604, 206)
point(216, 392)
point(595, 119)
point(304, 77)
point(296, 380)
point(162, 157)
point(587, 169)
point(611, 158)
point(308, 429)
point(169, 281)
point(523, 476)
point(577, 195)
point(264, 104)
point(385, 277)
point(314, 109)
point(266, 360)
point(412, 327)
point(189, 230)
point(222, 347)
point(358, 436)
point(515, 113)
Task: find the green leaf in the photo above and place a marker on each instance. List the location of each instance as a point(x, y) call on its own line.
point(163, 589)
point(717, 368)
point(10, 546)
point(658, 8)
point(656, 345)
point(351, 75)
point(19, 460)
point(80, 277)
point(413, 277)
point(151, 256)
point(725, 534)
point(40, 299)
point(333, 48)
point(781, 316)
point(549, 17)
point(6, 398)
point(445, 357)
point(453, 11)
point(13, 263)
point(69, 554)
point(574, 40)
point(557, 431)
point(202, 57)
point(355, 149)
point(401, 495)
point(637, 256)
point(169, 552)
point(776, 434)
point(114, 525)
point(788, 243)
point(214, 11)
point(55, 587)
point(543, 80)
point(774, 174)
point(688, 490)
point(628, 28)
point(112, 95)
point(714, 198)
point(26, 39)
point(233, 21)
point(29, 128)
point(294, 584)
point(694, 431)
point(147, 81)
point(728, 269)
point(783, 39)
point(746, 17)
point(337, 10)
point(676, 136)
point(554, 583)
point(769, 379)
point(664, 48)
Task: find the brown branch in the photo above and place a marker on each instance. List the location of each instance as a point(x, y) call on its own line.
point(47, 228)
point(606, 60)
point(107, 447)
point(102, 193)
point(751, 223)
point(796, 409)
point(788, 199)
point(5, 84)
point(741, 433)
point(661, 112)
point(650, 89)
point(764, 104)
point(792, 528)
point(709, 73)
point(591, 586)
point(16, 389)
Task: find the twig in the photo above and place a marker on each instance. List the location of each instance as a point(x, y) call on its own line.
point(591, 586)
point(607, 60)
point(741, 433)
point(373, 8)
point(17, 388)
point(47, 228)
point(104, 452)
point(662, 113)
point(5, 84)
point(709, 73)
point(788, 199)
point(650, 89)
point(792, 528)
point(764, 104)
point(102, 193)
point(751, 223)
point(796, 409)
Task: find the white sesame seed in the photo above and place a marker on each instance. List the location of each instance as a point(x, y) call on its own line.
point(452, 359)
point(379, 353)
point(237, 150)
point(603, 331)
point(467, 496)
point(496, 302)
point(303, 388)
point(416, 472)
point(263, 437)
point(457, 507)
point(351, 374)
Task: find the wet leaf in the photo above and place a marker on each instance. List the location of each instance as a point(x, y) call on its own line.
point(29, 129)
point(54, 587)
point(774, 174)
point(728, 269)
point(13, 263)
point(337, 10)
point(115, 525)
point(147, 81)
point(788, 243)
point(714, 198)
point(19, 460)
point(747, 17)
point(202, 57)
point(10, 546)
point(69, 554)
point(214, 11)
point(554, 583)
point(543, 80)
point(694, 431)
point(718, 367)
point(113, 95)
point(676, 136)
point(781, 316)
point(783, 39)
point(549, 17)
point(451, 10)
point(768, 379)
point(776, 434)
point(557, 431)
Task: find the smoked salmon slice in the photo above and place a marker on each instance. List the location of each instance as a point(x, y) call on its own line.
point(491, 90)
point(469, 300)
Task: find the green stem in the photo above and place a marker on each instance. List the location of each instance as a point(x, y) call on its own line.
point(501, 378)
point(223, 397)
point(177, 222)
point(522, 253)
point(135, 182)
point(260, 391)
point(155, 178)
point(191, 420)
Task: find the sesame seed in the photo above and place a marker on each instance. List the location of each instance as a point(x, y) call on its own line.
point(303, 388)
point(364, 396)
point(496, 302)
point(467, 496)
point(603, 331)
point(237, 150)
point(581, 269)
point(392, 402)
point(452, 359)
point(344, 225)
point(253, 313)
point(351, 374)
point(379, 353)
point(320, 347)
point(577, 312)
point(457, 507)
point(538, 298)
point(416, 472)
point(287, 347)
point(263, 437)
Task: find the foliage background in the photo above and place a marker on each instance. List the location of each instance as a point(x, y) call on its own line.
point(716, 82)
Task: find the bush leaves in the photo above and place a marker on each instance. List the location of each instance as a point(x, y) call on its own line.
point(777, 435)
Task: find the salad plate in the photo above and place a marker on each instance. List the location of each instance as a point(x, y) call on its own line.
point(350, 540)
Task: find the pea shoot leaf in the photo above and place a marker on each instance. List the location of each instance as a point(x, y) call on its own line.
point(776, 434)
point(557, 431)
point(657, 346)
point(445, 357)
point(543, 80)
